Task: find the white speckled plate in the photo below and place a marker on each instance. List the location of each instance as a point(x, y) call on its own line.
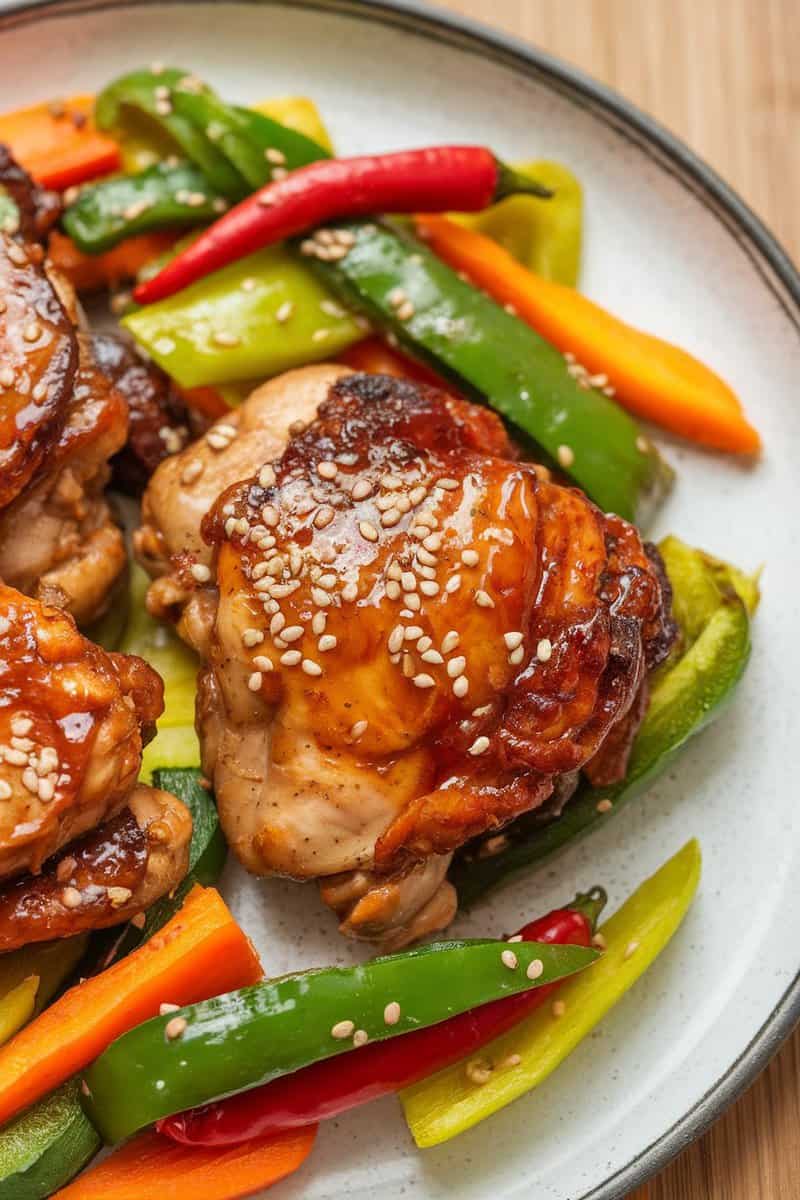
point(670, 248)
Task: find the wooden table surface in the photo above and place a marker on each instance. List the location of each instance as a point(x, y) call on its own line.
point(723, 75)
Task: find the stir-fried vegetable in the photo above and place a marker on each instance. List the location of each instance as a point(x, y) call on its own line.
point(403, 287)
point(238, 1041)
point(200, 952)
point(16, 1006)
point(46, 1146)
point(330, 1087)
point(653, 379)
point(712, 603)
point(57, 142)
point(95, 272)
point(50, 962)
point(456, 1099)
point(256, 318)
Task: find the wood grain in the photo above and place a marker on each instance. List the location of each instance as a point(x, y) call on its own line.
point(723, 75)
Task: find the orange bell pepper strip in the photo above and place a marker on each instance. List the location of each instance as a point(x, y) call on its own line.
point(650, 377)
point(96, 272)
point(58, 143)
point(201, 952)
point(152, 1165)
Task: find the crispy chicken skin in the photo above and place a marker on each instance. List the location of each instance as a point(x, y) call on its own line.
point(417, 636)
point(60, 422)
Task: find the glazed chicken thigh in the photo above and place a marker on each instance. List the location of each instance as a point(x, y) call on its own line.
point(60, 422)
point(416, 637)
point(72, 723)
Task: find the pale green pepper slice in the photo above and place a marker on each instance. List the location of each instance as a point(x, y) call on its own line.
point(448, 1103)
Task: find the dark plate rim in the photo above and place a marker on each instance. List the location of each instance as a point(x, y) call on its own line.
point(754, 239)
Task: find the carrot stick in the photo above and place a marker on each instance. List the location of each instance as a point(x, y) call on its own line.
point(95, 272)
point(58, 143)
point(152, 1165)
point(653, 379)
point(205, 400)
point(199, 953)
point(376, 358)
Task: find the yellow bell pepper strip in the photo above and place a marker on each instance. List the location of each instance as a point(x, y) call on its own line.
point(255, 318)
point(650, 377)
point(16, 1007)
point(544, 236)
point(448, 1103)
point(687, 693)
point(46, 1146)
point(57, 142)
point(298, 113)
point(51, 962)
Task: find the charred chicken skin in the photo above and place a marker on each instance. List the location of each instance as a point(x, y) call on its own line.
point(414, 637)
point(72, 723)
point(60, 421)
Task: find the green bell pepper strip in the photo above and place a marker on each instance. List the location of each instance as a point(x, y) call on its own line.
point(143, 98)
point(686, 696)
point(45, 1147)
point(17, 1006)
point(287, 318)
point(249, 1037)
point(544, 235)
point(252, 142)
point(165, 196)
point(496, 357)
point(449, 1103)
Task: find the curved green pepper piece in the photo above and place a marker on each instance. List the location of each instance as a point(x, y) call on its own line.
point(248, 1037)
point(545, 236)
point(277, 313)
point(165, 196)
point(46, 1146)
point(52, 962)
point(16, 1006)
point(253, 143)
point(493, 355)
point(449, 1103)
point(144, 97)
point(685, 697)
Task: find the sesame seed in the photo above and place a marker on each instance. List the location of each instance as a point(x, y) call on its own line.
point(269, 515)
point(450, 641)
point(516, 656)
point(359, 728)
point(321, 597)
point(513, 640)
point(223, 338)
point(252, 637)
point(200, 572)
point(350, 592)
point(449, 485)
point(470, 558)
point(361, 489)
point(413, 633)
point(273, 155)
point(318, 622)
point(5, 790)
point(630, 950)
point(20, 726)
point(292, 633)
point(604, 806)
point(391, 1013)
point(392, 589)
point(22, 743)
point(163, 108)
point(165, 1009)
point(7, 377)
point(284, 312)
point(479, 746)
point(255, 681)
point(391, 518)
point(413, 601)
point(262, 663)
point(509, 959)
point(360, 1038)
point(71, 898)
point(456, 666)
point(328, 642)
point(17, 255)
point(460, 687)
point(310, 667)
point(32, 331)
point(483, 599)
point(424, 681)
point(565, 456)
point(368, 531)
point(396, 297)
point(192, 471)
point(30, 780)
point(327, 469)
point(290, 658)
point(642, 444)
point(324, 517)
point(599, 941)
point(175, 1028)
point(559, 1008)
point(217, 441)
point(118, 896)
point(513, 1060)
point(320, 335)
point(46, 790)
point(343, 1029)
point(453, 584)
point(433, 542)
point(478, 1072)
point(408, 581)
point(279, 173)
point(515, 937)
point(395, 640)
point(429, 587)
point(535, 969)
point(544, 650)
point(431, 656)
point(405, 311)
point(426, 558)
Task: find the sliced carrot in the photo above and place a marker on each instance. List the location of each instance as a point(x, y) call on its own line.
point(58, 143)
point(376, 358)
point(653, 379)
point(206, 400)
point(152, 1165)
point(201, 952)
point(94, 272)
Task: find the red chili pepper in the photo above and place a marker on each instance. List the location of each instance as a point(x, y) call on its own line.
point(334, 1085)
point(436, 179)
